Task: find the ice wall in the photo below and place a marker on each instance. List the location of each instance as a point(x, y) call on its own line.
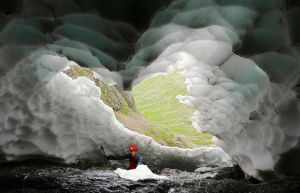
point(47, 114)
point(241, 62)
point(240, 58)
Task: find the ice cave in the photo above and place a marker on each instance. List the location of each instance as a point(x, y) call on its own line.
point(241, 61)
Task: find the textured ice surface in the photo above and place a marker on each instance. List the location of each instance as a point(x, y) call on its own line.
point(240, 58)
point(237, 99)
point(50, 114)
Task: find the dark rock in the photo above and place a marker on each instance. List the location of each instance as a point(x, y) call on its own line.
point(234, 172)
point(64, 179)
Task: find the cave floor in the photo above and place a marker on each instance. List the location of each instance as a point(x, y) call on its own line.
point(58, 179)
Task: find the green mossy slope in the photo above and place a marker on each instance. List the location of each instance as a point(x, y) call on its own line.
point(156, 101)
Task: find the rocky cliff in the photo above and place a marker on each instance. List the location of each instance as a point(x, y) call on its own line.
point(118, 99)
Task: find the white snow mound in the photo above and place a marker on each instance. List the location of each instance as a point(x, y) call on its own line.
point(140, 173)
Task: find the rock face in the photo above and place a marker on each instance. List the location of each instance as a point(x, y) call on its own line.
point(117, 98)
point(241, 61)
point(112, 95)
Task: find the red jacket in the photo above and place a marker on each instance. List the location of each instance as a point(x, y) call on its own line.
point(133, 161)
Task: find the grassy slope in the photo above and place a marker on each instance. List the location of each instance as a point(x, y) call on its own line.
point(156, 101)
point(167, 120)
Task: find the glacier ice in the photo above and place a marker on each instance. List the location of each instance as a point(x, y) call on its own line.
point(240, 59)
point(50, 114)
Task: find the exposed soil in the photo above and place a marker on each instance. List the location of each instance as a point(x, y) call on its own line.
point(133, 122)
point(137, 123)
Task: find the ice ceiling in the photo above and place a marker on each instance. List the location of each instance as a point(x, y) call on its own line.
point(240, 58)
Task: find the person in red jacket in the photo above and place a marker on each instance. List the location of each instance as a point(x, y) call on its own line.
point(134, 157)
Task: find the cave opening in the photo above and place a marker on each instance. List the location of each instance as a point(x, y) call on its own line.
point(155, 110)
point(240, 58)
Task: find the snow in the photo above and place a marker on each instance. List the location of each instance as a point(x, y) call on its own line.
point(240, 60)
point(227, 89)
point(141, 172)
point(57, 116)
